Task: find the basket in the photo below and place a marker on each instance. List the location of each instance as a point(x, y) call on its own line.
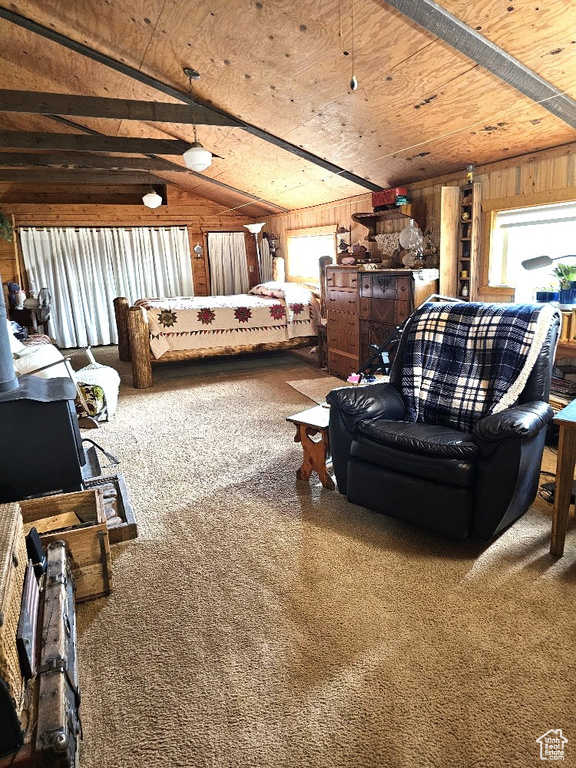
point(12, 569)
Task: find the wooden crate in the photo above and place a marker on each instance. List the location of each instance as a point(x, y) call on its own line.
point(79, 519)
point(122, 525)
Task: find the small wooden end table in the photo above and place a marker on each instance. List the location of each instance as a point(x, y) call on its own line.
point(309, 423)
point(565, 463)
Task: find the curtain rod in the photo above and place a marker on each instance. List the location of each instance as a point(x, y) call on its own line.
point(25, 227)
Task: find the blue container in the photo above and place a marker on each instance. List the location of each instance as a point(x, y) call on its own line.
point(545, 296)
point(567, 296)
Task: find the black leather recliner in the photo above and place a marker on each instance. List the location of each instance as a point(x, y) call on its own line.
point(458, 483)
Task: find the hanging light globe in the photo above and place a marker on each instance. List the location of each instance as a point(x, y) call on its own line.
point(152, 199)
point(197, 158)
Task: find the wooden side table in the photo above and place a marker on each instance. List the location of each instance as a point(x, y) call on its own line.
point(565, 463)
point(309, 424)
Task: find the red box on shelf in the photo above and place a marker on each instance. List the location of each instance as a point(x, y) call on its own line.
point(388, 196)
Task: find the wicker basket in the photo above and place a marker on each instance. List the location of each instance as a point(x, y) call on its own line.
point(12, 568)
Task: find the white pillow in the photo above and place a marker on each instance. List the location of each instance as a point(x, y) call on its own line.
point(272, 289)
point(16, 346)
point(38, 356)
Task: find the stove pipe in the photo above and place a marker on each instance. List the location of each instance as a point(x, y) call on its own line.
point(8, 380)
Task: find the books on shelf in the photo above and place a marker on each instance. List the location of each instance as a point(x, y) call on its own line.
point(563, 386)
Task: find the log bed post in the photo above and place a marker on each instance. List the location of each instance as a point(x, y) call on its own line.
point(121, 313)
point(140, 347)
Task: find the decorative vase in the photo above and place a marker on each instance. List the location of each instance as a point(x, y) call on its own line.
point(411, 236)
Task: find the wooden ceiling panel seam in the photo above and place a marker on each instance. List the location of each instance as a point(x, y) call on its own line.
point(515, 32)
point(449, 28)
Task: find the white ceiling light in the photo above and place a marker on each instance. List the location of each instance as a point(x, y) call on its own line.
point(197, 158)
point(152, 199)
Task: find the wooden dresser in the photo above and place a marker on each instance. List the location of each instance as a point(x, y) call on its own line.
point(363, 308)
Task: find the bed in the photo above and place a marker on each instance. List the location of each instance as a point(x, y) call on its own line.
point(270, 316)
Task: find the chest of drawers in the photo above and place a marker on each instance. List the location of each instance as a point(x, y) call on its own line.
point(363, 308)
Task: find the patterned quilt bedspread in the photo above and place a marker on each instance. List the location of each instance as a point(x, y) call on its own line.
point(200, 322)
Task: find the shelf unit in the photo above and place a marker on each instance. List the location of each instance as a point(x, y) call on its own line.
point(465, 228)
point(460, 224)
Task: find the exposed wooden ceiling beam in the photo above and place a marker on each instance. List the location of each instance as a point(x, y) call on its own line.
point(39, 103)
point(77, 142)
point(171, 166)
point(78, 177)
point(152, 82)
point(449, 28)
point(70, 160)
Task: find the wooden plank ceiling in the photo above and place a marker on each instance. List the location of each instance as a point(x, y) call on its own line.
point(274, 69)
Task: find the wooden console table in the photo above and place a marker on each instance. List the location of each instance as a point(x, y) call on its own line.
point(309, 423)
point(566, 418)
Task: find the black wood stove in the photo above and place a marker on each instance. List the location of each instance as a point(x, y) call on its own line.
point(41, 448)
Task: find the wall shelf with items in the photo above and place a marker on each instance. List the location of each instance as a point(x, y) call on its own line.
point(371, 220)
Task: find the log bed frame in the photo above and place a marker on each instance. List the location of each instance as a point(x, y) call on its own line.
point(134, 344)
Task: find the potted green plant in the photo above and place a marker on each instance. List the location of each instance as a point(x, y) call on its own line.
point(566, 274)
point(6, 230)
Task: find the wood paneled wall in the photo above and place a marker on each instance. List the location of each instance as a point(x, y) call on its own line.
point(538, 178)
point(535, 179)
point(198, 214)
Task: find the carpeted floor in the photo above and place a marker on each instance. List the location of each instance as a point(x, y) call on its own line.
point(264, 622)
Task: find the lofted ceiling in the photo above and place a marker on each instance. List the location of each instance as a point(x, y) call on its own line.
point(459, 83)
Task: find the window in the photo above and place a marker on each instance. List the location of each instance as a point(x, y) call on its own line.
point(305, 247)
point(525, 233)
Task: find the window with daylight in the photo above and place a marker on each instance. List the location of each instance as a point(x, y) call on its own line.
point(305, 247)
point(524, 233)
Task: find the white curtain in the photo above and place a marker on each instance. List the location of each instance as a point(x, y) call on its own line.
point(85, 269)
point(228, 265)
point(266, 268)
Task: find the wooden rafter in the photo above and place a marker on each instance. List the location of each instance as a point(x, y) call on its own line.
point(169, 165)
point(73, 160)
point(37, 103)
point(78, 177)
point(77, 142)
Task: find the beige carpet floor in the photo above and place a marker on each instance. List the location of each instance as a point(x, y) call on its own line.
point(260, 621)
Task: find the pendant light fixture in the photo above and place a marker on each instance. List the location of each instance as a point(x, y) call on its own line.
point(151, 199)
point(353, 78)
point(196, 157)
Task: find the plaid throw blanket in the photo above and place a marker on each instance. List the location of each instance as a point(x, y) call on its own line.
point(464, 361)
